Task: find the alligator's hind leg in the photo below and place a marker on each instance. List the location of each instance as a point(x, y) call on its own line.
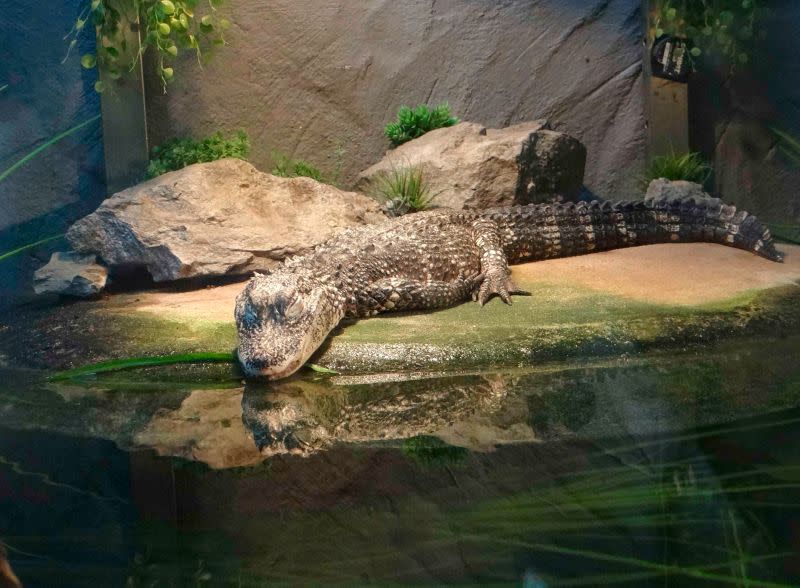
point(494, 265)
point(393, 294)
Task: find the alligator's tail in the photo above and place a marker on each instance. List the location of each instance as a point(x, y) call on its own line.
point(559, 230)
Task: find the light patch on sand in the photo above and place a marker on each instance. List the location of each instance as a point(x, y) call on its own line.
point(683, 274)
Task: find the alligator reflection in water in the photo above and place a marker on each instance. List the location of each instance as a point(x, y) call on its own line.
point(664, 394)
point(211, 418)
point(306, 416)
point(625, 480)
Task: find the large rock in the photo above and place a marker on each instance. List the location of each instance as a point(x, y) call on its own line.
point(214, 219)
point(663, 188)
point(469, 166)
point(71, 274)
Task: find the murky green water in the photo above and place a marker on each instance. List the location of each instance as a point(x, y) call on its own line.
point(681, 469)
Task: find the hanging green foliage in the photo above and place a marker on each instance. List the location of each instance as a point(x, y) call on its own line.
point(166, 27)
point(726, 28)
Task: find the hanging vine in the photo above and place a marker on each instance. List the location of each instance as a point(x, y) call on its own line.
point(165, 27)
point(727, 28)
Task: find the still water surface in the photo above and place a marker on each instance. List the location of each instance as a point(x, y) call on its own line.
point(681, 469)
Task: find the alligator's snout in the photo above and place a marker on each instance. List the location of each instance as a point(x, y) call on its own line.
point(267, 368)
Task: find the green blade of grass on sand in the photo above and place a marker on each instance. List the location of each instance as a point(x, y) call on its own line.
point(138, 362)
point(115, 365)
point(7, 172)
point(13, 252)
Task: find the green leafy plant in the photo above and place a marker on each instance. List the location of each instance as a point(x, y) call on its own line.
point(415, 122)
point(286, 167)
point(165, 26)
point(404, 190)
point(674, 166)
point(178, 153)
point(723, 27)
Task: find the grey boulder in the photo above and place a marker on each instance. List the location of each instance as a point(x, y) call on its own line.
point(71, 274)
point(663, 188)
point(215, 219)
point(469, 166)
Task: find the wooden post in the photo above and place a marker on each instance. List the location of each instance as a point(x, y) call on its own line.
point(667, 106)
point(668, 117)
point(125, 123)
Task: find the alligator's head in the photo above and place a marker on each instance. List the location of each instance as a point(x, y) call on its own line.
point(282, 318)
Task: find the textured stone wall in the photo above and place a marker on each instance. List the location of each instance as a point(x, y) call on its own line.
point(731, 117)
point(310, 77)
point(43, 98)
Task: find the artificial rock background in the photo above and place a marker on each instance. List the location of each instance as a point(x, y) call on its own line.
point(319, 79)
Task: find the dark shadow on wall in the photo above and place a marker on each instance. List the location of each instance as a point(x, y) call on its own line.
point(43, 98)
point(730, 118)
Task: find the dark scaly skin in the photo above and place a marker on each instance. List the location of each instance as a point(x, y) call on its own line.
point(443, 257)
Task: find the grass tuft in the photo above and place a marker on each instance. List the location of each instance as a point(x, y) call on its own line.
point(286, 167)
point(404, 190)
point(415, 122)
point(690, 167)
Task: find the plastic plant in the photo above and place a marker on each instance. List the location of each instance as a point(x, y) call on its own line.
point(166, 27)
point(404, 190)
point(178, 153)
point(415, 122)
point(679, 166)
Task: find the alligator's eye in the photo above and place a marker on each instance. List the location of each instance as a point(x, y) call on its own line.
point(295, 308)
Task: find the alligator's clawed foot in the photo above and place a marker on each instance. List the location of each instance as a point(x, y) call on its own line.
point(502, 285)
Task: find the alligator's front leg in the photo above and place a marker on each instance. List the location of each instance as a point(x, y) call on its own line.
point(494, 265)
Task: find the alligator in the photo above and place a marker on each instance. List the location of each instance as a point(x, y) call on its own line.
point(442, 257)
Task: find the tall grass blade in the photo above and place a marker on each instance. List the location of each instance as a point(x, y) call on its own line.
point(13, 252)
point(7, 172)
point(128, 363)
point(138, 362)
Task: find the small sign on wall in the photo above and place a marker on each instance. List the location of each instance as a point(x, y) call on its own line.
point(669, 58)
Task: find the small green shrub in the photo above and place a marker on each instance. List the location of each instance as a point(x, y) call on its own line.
point(403, 190)
point(285, 167)
point(415, 122)
point(687, 166)
point(178, 153)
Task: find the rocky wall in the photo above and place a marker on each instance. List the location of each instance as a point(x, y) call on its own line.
point(319, 79)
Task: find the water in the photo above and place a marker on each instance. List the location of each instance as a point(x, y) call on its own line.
point(678, 469)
